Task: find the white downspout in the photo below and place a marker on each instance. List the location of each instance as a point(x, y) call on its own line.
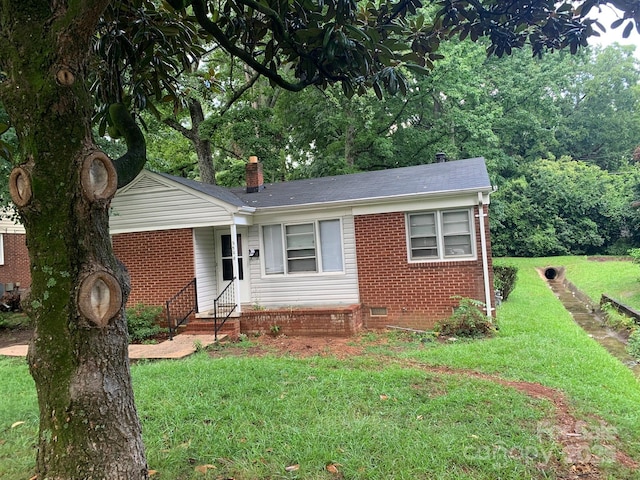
point(234, 259)
point(485, 259)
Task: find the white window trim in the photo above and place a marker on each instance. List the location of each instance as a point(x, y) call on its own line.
point(316, 231)
point(1, 249)
point(440, 237)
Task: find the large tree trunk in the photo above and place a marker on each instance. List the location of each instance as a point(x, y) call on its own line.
point(202, 146)
point(78, 358)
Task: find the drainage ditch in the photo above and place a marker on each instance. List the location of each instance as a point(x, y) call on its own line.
point(588, 317)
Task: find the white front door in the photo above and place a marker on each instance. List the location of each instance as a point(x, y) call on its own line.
point(226, 272)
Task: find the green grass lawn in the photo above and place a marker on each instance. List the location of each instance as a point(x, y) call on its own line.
point(539, 342)
point(618, 279)
point(376, 416)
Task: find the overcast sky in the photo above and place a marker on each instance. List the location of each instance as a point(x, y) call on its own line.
point(606, 18)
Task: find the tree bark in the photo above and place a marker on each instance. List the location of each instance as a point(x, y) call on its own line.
point(78, 356)
point(202, 146)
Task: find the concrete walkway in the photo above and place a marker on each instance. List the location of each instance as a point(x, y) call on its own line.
point(181, 346)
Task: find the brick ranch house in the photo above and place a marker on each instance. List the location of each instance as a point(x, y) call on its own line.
point(324, 256)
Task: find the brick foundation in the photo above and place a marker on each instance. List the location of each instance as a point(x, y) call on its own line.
point(325, 322)
point(413, 295)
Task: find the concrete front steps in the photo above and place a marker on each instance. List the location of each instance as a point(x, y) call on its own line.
point(205, 326)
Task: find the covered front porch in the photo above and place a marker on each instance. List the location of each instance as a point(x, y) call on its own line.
point(221, 285)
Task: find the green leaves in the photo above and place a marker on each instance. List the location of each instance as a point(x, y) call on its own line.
point(6, 147)
point(141, 53)
point(561, 207)
point(509, 25)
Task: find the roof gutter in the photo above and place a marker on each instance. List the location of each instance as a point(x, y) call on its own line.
point(375, 200)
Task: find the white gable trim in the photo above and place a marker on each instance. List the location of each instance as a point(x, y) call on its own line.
point(152, 202)
point(148, 178)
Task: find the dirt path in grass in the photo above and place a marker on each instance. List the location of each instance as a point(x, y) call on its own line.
point(584, 446)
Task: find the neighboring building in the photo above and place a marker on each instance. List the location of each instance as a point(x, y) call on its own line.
point(319, 256)
point(14, 257)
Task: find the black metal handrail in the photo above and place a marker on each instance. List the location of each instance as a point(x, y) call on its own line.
point(181, 306)
point(223, 306)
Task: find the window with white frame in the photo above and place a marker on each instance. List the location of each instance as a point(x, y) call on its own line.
point(1, 249)
point(440, 235)
point(312, 247)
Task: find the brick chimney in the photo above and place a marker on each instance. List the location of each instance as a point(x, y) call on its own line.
point(254, 176)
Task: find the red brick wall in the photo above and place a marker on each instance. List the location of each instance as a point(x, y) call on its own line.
point(416, 295)
point(160, 263)
point(332, 322)
point(16, 266)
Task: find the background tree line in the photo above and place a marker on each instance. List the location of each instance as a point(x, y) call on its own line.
point(559, 134)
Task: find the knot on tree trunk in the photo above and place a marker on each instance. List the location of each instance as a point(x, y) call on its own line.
point(20, 186)
point(65, 76)
point(99, 297)
point(98, 177)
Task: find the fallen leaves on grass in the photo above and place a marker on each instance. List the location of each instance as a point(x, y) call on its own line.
point(205, 468)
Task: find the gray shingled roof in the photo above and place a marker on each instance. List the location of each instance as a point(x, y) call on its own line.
point(214, 191)
point(469, 174)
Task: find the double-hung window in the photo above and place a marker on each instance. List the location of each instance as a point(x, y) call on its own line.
point(312, 247)
point(440, 235)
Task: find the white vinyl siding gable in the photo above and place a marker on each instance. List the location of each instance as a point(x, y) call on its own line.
point(156, 204)
point(440, 235)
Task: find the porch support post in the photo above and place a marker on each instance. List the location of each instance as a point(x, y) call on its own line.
point(236, 273)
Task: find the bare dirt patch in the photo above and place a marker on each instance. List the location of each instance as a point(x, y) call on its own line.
point(577, 438)
point(302, 347)
point(15, 336)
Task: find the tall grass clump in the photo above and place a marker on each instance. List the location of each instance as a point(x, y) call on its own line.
point(468, 320)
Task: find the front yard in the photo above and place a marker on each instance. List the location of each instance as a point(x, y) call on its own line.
point(540, 400)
